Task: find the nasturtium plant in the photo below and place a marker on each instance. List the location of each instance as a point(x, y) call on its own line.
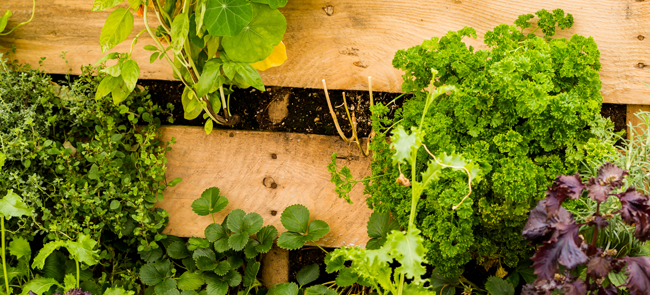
point(210, 45)
point(520, 112)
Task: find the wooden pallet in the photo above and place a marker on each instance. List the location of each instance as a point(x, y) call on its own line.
point(345, 41)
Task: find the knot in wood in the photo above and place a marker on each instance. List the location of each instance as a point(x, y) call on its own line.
point(641, 37)
point(641, 65)
point(274, 156)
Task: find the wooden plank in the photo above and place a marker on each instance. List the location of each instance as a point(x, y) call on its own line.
point(634, 120)
point(345, 41)
point(265, 173)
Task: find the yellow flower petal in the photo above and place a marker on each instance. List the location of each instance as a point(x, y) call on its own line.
point(277, 57)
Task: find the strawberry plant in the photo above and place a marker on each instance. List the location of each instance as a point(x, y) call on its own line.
point(211, 46)
point(565, 260)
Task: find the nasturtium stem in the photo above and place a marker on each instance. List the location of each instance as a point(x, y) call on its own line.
point(4, 261)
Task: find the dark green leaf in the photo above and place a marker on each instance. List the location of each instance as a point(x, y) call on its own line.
point(375, 243)
point(205, 259)
point(250, 251)
point(153, 273)
point(346, 277)
point(317, 230)
point(151, 255)
point(286, 289)
point(222, 268)
point(178, 250)
point(320, 290)
point(266, 236)
point(250, 275)
point(214, 232)
point(499, 286)
point(308, 274)
point(233, 278)
point(238, 241)
point(94, 172)
point(211, 70)
point(167, 287)
point(380, 225)
point(53, 266)
point(295, 218)
point(291, 240)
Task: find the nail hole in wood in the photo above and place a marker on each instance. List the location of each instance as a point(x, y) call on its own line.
point(329, 10)
point(232, 134)
point(641, 65)
point(269, 182)
point(274, 156)
point(641, 37)
point(273, 212)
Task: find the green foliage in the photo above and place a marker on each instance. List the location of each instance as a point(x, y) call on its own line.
point(499, 286)
point(228, 258)
point(374, 266)
point(379, 226)
point(208, 44)
point(520, 112)
point(295, 219)
point(88, 168)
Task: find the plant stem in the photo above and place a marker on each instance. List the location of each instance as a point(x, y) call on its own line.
point(77, 263)
point(4, 262)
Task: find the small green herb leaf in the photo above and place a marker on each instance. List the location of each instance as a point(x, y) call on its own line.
point(210, 202)
point(117, 28)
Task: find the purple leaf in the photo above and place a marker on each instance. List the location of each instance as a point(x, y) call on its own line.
point(539, 226)
point(563, 187)
point(577, 287)
point(563, 248)
point(599, 266)
point(638, 279)
point(642, 227)
point(600, 222)
point(598, 192)
point(609, 290)
point(611, 174)
point(633, 204)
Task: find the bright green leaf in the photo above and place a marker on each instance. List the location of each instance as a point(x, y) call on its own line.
point(272, 3)
point(70, 281)
point(39, 286)
point(101, 5)
point(117, 28)
point(286, 289)
point(82, 250)
point(190, 281)
point(409, 252)
point(208, 126)
point(319, 290)
point(180, 30)
point(130, 74)
point(13, 206)
point(191, 104)
point(248, 76)
point(118, 291)
point(227, 17)
point(19, 247)
point(4, 19)
point(210, 202)
point(257, 39)
point(211, 70)
point(94, 172)
point(238, 241)
point(114, 70)
point(106, 86)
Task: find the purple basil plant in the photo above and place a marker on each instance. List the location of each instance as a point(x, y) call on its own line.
point(552, 226)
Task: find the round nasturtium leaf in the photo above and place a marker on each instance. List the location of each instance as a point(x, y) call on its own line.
point(257, 40)
point(227, 17)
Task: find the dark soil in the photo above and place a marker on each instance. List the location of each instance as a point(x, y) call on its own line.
point(306, 256)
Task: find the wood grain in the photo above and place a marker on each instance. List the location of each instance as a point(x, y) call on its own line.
point(633, 120)
point(241, 164)
point(359, 38)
